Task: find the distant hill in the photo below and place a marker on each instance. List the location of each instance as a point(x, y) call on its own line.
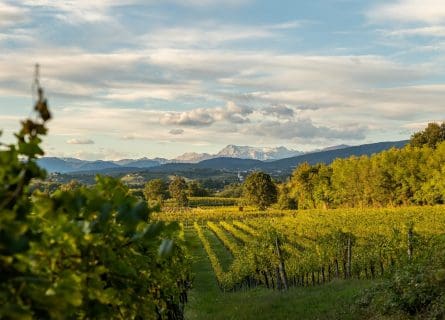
point(64, 165)
point(225, 163)
point(340, 146)
point(233, 164)
point(192, 157)
point(68, 165)
point(140, 163)
point(330, 155)
point(53, 164)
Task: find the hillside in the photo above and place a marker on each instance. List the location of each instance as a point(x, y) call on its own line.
point(330, 155)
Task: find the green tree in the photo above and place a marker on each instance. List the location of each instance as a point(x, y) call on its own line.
point(156, 190)
point(178, 191)
point(285, 201)
point(322, 186)
point(195, 189)
point(431, 136)
point(301, 185)
point(259, 190)
point(233, 190)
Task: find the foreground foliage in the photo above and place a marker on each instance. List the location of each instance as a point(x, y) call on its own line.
point(89, 253)
point(416, 289)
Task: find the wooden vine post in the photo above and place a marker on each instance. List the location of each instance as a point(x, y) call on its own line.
point(349, 257)
point(281, 267)
point(410, 243)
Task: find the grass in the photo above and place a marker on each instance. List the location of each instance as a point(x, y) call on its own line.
point(206, 301)
point(224, 256)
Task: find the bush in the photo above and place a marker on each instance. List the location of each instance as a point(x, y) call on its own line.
point(416, 289)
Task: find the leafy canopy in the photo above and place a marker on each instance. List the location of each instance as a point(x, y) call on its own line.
point(433, 134)
point(259, 190)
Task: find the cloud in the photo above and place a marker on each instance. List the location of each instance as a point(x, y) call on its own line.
point(279, 111)
point(102, 154)
point(426, 11)
point(80, 141)
point(212, 34)
point(176, 131)
point(232, 113)
point(99, 11)
point(210, 3)
point(303, 129)
point(431, 31)
point(196, 117)
point(78, 11)
point(11, 15)
point(201, 75)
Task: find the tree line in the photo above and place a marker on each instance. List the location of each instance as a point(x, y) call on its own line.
point(413, 175)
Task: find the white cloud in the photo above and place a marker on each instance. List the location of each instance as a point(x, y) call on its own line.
point(98, 11)
point(232, 113)
point(207, 3)
point(102, 154)
point(11, 15)
point(80, 141)
point(76, 11)
point(211, 34)
point(431, 31)
point(426, 11)
point(303, 129)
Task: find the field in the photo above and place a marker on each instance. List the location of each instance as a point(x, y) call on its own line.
point(298, 264)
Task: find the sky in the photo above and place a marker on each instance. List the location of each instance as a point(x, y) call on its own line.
point(152, 78)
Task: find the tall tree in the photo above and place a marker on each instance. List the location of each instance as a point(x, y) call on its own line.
point(195, 189)
point(260, 190)
point(178, 191)
point(156, 190)
point(431, 136)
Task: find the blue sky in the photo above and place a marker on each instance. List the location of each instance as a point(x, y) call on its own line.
point(133, 78)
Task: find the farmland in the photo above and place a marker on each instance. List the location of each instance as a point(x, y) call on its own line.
point(283, 255)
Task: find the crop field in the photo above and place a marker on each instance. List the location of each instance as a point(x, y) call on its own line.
point(277, 249)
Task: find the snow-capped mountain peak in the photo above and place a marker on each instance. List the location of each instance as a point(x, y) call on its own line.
point(258, 153)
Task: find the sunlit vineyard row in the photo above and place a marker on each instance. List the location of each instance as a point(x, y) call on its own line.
point(305, 248)
point(202, 215)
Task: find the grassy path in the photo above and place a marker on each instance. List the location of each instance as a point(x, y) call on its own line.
point(205, 290)
point(206, 301)
point(224, 255)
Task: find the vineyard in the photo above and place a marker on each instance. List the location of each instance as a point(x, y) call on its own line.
point(281, 249)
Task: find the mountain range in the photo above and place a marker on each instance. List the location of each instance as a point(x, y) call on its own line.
point(279, 159)
point(64, 165)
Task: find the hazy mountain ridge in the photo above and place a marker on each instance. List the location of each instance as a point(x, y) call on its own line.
point(230, 163)
point(65, 165)
point(192, 157)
